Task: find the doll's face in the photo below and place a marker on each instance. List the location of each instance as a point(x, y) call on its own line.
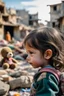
point(10, 55)
point(6, 52)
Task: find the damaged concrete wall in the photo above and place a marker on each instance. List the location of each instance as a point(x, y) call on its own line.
point(16, 33)
point(1, 32)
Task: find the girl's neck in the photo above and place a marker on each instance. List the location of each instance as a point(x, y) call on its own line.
point(46, 66)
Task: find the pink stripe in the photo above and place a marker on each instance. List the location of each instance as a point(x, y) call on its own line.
point(53, 71)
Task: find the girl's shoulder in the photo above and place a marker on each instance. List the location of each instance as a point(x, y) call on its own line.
point(47, 73)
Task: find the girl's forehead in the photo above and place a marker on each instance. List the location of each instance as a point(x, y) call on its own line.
point(29, 48)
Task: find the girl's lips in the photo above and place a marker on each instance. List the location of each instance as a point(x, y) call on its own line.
point(31, 63)
point(28, 62)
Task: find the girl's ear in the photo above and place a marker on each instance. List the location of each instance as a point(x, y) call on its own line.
point(48, 54)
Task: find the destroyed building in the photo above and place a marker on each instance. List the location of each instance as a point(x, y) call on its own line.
point(57, 16)
point(8, 22)
point(16, 21)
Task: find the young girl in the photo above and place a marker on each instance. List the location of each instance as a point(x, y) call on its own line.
point(45, 50)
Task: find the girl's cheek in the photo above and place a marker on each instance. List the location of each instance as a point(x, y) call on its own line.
point(38, 60)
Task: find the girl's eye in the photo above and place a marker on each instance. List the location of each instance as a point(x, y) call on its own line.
point(31, 52)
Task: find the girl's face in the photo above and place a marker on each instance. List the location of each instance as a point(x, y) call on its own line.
point(35, 57)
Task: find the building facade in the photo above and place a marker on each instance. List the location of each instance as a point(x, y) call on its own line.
point(14, 21)
point(33, 20)
point(26, 18)
point(8, 23)
point(57, 16)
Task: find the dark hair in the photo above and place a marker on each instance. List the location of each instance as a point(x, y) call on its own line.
point(48, 38)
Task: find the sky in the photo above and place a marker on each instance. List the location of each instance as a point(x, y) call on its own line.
point(33, 6)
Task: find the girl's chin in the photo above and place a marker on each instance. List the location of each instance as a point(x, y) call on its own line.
point(35, 67)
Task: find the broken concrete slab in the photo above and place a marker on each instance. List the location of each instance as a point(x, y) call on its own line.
point(23, 82)
point(4, 88)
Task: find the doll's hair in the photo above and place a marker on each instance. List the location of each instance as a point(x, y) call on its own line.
point(48, 38)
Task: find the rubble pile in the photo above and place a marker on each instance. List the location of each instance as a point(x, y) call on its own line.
point(16, 82)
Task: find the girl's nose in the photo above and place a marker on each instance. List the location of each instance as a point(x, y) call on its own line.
point(28, 58)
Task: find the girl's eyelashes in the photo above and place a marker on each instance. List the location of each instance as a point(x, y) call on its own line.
point(30, 52)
